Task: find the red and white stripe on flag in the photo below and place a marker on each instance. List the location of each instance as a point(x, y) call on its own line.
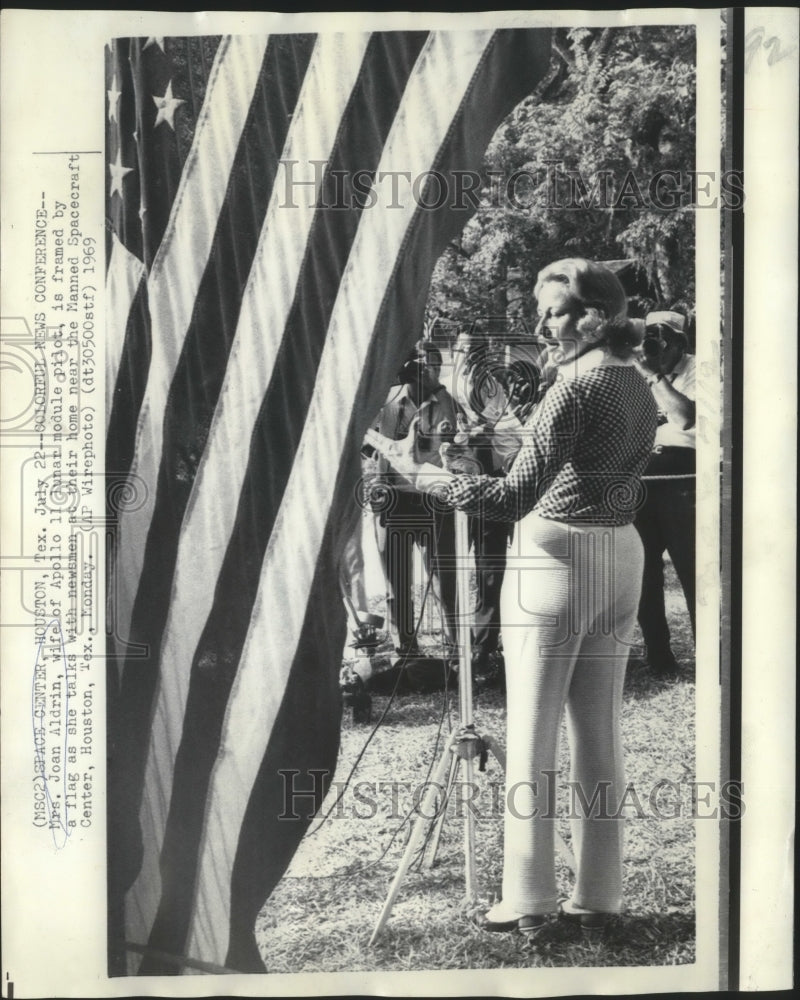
point(256, 312)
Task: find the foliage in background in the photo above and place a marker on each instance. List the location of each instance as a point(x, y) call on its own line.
point(617, 107)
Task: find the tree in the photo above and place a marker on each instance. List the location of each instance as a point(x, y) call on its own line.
point(596, 163)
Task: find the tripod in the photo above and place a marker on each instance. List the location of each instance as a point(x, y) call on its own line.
point(464, 746)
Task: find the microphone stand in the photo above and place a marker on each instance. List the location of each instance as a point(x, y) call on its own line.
point(465, 744)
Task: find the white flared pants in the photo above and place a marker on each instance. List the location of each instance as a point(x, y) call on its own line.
point(569, 604)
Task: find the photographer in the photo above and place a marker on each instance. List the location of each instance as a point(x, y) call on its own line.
point(407, 517)
point(666, 521)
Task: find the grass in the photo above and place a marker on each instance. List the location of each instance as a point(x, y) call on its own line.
point(320, 917)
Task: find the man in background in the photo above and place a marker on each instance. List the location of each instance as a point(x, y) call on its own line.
point(666, 521)
point(408, 518)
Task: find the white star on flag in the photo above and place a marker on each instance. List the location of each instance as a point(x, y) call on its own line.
point(118, 172)
point(113, 99)
point(167, 106)
point(155, 41)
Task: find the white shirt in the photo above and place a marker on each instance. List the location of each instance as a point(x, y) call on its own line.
point(669, 435)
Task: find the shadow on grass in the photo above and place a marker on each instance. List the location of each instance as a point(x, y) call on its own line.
point(642, 940)
point(626, 941)
point(642, 683)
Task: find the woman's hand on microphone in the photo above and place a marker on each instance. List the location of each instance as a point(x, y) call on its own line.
point(459, 459)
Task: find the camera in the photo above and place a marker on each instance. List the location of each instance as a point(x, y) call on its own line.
point(424, 355)
point(652, 345)
point(411, 372)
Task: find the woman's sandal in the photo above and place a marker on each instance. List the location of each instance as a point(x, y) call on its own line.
point(592, 921)
point(526, 924)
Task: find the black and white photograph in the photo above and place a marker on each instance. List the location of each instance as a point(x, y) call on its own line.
point(379, 554)
point(434, 232)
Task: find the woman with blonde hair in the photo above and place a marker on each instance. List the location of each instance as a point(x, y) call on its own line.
point(571, 591)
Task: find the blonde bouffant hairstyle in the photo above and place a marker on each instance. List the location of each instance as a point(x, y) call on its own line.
point(599, 293)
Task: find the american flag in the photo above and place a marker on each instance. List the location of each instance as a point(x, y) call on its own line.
point(260, 298)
